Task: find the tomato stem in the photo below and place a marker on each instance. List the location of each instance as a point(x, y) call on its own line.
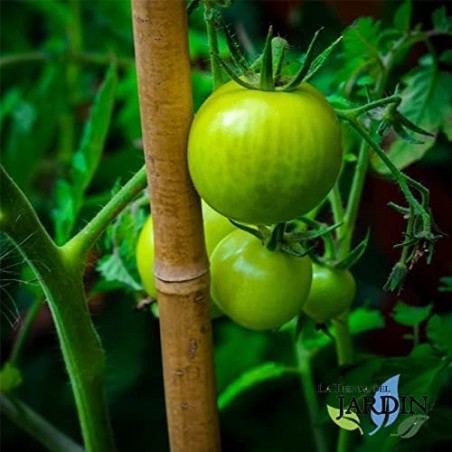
point(85, 239)
point(61, 276)
point(266, 82)
point(217, 70)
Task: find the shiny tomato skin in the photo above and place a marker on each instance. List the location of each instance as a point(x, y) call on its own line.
point(216, 227)
point(257, 288)
point(332, 293)
point(263, 157)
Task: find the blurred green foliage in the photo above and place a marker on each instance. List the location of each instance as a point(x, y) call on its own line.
point(54, 59)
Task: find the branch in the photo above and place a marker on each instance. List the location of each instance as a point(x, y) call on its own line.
point(36, 426)
point(61, 276)
point(85, 239)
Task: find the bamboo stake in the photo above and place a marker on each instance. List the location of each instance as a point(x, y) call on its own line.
point(181, 265)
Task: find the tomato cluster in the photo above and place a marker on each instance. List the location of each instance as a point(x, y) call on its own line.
point(261, 157)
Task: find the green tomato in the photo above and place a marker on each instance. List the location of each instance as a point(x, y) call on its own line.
point(332, 293)
point(216, 227)
point(264, 157)
point(257, 288)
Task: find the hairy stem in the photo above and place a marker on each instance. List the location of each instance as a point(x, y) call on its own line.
point(217, 70)
point(85, 239)
point(61, 276)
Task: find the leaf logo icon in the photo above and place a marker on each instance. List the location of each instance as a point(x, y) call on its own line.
point(349, 421)
point(383, 414)
point(410, 426)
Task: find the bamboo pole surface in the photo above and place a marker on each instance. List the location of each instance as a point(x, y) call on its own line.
point(181, 265)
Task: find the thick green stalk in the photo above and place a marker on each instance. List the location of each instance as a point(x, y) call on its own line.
point(36, 426)
point(60, 272)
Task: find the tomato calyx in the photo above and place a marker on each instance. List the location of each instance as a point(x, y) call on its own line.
point(265, 73)
point(295, 237)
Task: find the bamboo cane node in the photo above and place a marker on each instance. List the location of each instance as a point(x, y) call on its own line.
point(197, 286)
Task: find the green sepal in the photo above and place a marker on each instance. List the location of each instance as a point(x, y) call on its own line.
point(230, 71)
point(397, 278)
point(274, 241)
point(236, 52)
point(253, 231)
point(320, 60)
point(293, 84)
point(266, 76)
point(279, 49)
point(355, 255)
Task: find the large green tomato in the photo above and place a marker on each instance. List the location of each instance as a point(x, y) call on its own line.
point(257, 288)
point(264, 157)
point(332, 293)
point(216, 227)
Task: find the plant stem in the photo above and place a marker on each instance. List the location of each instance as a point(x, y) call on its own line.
point(36, 426)
point(354, 200)
point(85, 239)
point(355, 112)
point(61, 276)
point(343, 339)
point(16, 352)
point(217, 70)
point(303, 359)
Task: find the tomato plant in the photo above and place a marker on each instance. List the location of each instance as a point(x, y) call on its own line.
point(332, 293)
point(264, 157)
point(216, 227)
point(265, 147)
point(257, 288)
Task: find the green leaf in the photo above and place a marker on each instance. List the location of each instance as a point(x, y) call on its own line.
point(402, 17)
point(363, 319)
point(410, 426)
point(411, 315)
point(427, 102)
point(361, 38)
point(258, 375)
point(119, 265)
point(446, 282)
point(349, 421)
point(112, 268)
point(438, 333)
point(10, 378)
point(446, 57)
point(69, 195)
point(361, 54)
point(355, 255)
point(441, 21)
